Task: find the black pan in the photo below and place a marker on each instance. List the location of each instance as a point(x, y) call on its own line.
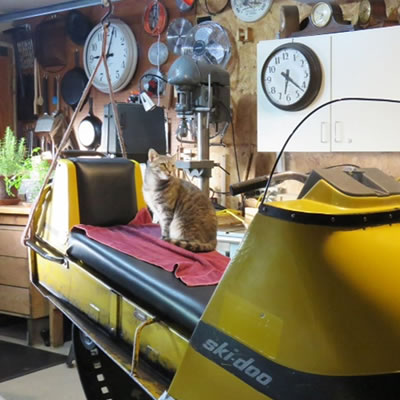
point(89, 131)
point(73, 84)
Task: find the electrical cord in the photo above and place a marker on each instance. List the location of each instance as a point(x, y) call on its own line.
point(366, 99)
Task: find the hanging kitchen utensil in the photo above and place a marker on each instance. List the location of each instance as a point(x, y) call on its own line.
point(50, 43)
point(176, 34)
point(73, 83)
point(89, 130)
point(78, 27)
point(45, 122)
point(155, 18)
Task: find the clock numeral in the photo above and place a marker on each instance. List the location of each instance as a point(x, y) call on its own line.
point(277, 60)
point(294, 57)
point(99, 37)
point(297, 94)
point(306, 75)
point(285, 56)
point(117, 74)
point(272, 69)
point(269, 79)
point(302, 63)
point(288, 98)
point(280, 95)
point(101, 76)
point(304, 86)
point(91, 58)
point(123, 64)
point(273, 90)
point(94, 46)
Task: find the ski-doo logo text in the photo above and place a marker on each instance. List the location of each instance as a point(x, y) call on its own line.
point(245, 365)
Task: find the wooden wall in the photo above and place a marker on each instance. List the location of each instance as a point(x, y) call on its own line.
point(243, 87)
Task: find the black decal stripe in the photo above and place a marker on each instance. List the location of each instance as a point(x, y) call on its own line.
point(286, 383)
point(354, 221)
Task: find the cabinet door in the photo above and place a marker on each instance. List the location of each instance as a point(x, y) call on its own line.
point(366, 64)
point(275, 125)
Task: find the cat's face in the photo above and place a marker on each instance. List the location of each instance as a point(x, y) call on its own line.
point(162, 166)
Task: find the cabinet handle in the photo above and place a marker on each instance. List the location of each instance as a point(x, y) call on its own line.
point(324, 132)
point(338, 131)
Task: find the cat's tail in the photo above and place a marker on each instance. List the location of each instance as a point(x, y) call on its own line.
point(194, 245)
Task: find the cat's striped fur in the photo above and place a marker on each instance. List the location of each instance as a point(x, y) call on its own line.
point(186, 215)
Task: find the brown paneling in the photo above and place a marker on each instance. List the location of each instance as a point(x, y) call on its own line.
point(14, 300)
point(10, 241)
point(14, 271)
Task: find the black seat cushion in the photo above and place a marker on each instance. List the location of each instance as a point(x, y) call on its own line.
point(106, 188)
point(151, 287)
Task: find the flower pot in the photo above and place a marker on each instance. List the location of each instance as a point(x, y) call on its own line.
point(5, 199)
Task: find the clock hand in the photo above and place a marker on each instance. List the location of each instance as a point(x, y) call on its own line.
point(109, 44)
point(286, 79)
point(108, 55)
point(291, 81)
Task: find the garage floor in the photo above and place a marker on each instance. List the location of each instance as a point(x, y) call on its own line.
point(59, 382)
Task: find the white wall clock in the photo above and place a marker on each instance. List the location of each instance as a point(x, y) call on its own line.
point(291, 76)
point(250, 10)
point(121, 53)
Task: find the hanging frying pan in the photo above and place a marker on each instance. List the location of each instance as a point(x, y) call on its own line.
point(78, 27)
point(89, 131)
point(73, 83)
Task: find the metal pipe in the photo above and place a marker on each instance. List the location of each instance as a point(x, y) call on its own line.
point(203, 150)
point(51, 9)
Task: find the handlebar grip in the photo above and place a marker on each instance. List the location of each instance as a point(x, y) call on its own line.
point(261, 181)
point(249, 185)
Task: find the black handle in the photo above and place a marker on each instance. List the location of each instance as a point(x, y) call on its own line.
point(45, 94)
point(249, 185)
point(43, 253)
point(261, 181)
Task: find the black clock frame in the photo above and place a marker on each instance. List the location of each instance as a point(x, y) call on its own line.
point(315, 77)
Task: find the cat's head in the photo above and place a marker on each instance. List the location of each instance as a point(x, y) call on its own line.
point(163, 166)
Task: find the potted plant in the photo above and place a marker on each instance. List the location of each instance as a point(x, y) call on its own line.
point(12, 167)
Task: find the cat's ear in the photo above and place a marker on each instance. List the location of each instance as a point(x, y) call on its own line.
point(152, 155)
point(173, 158)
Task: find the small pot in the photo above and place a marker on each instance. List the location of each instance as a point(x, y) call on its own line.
point(89, 130)
point(5, 199)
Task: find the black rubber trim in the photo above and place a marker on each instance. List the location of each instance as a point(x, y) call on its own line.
point(344, 221)
point(282, 383)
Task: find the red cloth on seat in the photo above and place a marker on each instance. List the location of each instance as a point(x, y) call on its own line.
point(142, 239)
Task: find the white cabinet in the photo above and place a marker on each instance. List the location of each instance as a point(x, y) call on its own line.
point(355, 64)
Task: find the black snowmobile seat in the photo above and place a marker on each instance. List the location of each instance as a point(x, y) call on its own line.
point(107, 196)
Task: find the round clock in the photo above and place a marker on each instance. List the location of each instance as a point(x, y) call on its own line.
point(291, 77)
point(321, 14)
point(121, 54)
point(250, 10)
point(158, 53)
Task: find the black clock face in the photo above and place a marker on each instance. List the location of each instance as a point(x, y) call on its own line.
point(291, 77)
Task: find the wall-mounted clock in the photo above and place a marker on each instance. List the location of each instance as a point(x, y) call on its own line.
point(326, 17)
point(121, 53)
point(250, 10)
point(291, 76)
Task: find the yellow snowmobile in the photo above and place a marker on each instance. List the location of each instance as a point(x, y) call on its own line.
point(308, 309)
